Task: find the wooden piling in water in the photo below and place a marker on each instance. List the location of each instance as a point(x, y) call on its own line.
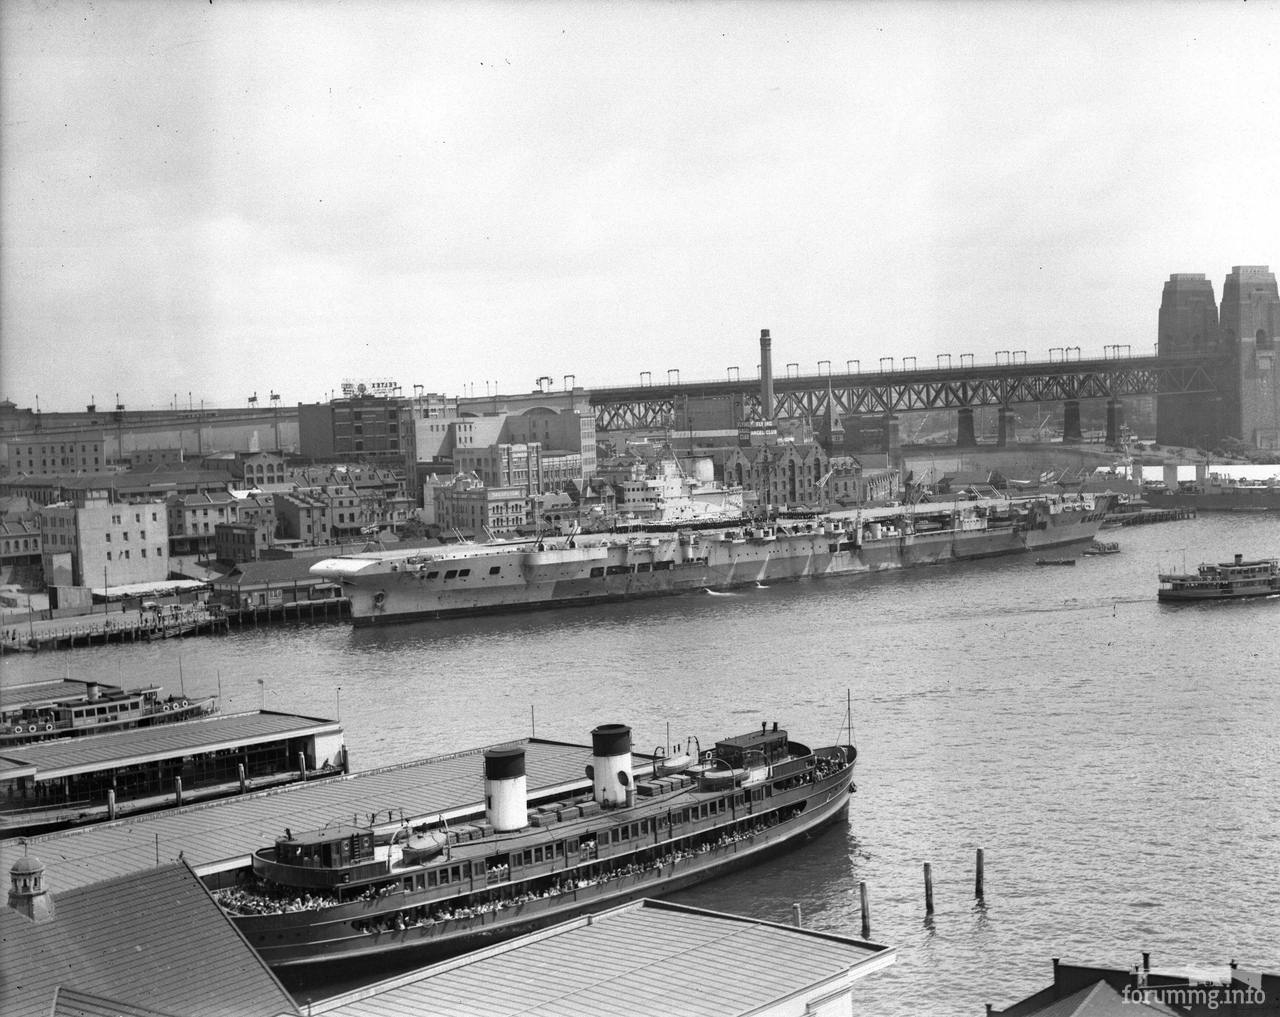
point(928, 888)
point(795, 915)
point(866, 911)
point(977, 879)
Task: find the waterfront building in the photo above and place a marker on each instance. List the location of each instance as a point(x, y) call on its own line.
point(95, 534)
point(1140, 990)
point(19, 547)
point(151, 942)
point(558, 433)
point(302, 516)
point(540, 451)
point(503, 465)
point(271, 584)
point(472, 508)
point(249, 469)
point(792, 474)
point(364, 427)
point(69, 781)
point(689, 954)
point(124, 486)
point(193, 520)
point(153, 458)
point(51, 453)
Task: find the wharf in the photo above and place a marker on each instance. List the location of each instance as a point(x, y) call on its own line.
point(76, 780)
point(219, 837)
point(1148, 515)
point(30, 633)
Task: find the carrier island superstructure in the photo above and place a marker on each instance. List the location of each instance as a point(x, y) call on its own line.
point(584, 568)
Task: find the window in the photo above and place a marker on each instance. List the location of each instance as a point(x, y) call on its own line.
point(495, 570)
point(108, 556)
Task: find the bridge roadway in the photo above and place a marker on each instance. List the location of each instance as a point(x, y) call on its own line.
point(220, 836)
point(882, 393)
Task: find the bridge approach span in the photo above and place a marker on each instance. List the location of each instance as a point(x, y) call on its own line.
point(883, 393)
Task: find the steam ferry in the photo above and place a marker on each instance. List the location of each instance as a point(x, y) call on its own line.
point(43, 711)
point(348, 893)
point(584, 568)
point(1232, 580)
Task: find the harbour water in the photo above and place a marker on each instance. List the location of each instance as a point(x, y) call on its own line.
point(1118, 760)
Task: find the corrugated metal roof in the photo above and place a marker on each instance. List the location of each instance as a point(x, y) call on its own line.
point(64, 756)
point(224, 833)
point(648, 957)
point(154, 938)
point(60, 690)
point(74, 1003)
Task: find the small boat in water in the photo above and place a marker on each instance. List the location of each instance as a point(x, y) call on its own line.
point(351, 893)
point(1233, 580)
point(1102, 547)
point(1055, 561)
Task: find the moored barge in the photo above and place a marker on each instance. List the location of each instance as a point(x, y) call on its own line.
point(343, 893)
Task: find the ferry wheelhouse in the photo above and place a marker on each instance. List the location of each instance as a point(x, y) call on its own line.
point(348, 892)
point(1224, 581)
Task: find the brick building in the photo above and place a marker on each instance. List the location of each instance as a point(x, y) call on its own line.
point(472, 508)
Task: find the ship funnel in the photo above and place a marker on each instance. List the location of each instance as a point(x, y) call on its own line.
point(766, 375)
point(92, 692)
point(506, 799)
point(610, 769)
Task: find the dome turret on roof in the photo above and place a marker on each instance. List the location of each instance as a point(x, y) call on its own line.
point(27, 865)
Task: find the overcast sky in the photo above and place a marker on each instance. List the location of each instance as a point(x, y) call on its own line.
point(217, 199)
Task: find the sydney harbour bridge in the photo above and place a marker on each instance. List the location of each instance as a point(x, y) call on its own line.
point(1202, 379)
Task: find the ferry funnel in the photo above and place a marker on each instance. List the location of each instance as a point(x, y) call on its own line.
point(610, 769)
point(766, 375)
point(505, 792)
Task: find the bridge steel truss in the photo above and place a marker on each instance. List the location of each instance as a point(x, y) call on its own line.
point(891, 392)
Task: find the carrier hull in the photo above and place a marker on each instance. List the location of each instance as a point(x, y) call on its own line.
point(472, 579)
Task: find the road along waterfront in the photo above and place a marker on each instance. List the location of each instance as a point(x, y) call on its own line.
point(1116, 759)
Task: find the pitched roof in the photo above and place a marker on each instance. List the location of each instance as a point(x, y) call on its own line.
point(1101, 1000)
point(714, 965)
point(65, 756)
point(266, 571)
point(223, 834)
point(153, 940)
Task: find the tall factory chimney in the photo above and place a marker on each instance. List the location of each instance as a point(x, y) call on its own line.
point(766, 375)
